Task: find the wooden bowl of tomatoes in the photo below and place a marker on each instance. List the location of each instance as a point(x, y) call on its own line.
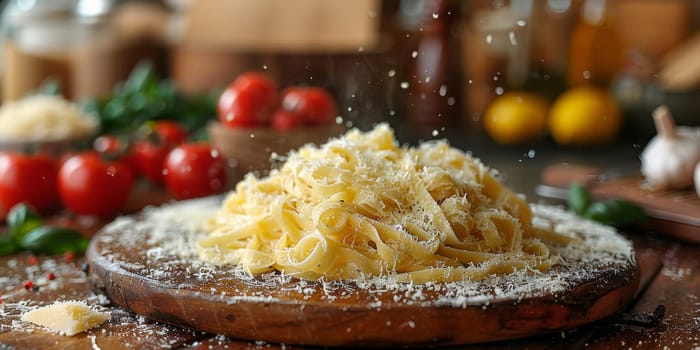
point(257, 120)
point(252, 149)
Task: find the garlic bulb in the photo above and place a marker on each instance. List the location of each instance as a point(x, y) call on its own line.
point(669, 160)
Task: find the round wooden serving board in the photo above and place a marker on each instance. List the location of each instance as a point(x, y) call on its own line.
point(147, 264)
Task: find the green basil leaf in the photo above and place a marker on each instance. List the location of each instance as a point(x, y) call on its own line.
point(21, 220)
point(141, 78)
point(7, 245)
point(616, 212)
point(54, 240)
point(578, 199)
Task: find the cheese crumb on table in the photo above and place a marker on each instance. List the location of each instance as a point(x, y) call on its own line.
point(68, 318)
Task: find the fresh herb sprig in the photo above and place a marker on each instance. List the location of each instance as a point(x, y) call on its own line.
point(614, 212)
point(144, 97)
point(26, 231)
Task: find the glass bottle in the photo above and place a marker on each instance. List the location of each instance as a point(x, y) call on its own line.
point(431, 100)
point(39, 38)
point(596, 53)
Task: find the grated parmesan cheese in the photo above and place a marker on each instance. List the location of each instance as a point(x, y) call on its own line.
point(44, 118)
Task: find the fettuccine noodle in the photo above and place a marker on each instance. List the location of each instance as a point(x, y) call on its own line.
point(362, 206)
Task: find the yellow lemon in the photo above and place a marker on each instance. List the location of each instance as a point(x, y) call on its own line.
point(584, 116)
point(516, 117)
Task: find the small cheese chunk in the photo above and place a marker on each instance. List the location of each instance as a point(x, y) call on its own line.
point(68, 318)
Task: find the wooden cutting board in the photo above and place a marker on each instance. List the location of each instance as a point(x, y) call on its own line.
point(675, 213)
point(143, 268)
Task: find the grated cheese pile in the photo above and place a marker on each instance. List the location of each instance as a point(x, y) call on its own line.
point(45, 118)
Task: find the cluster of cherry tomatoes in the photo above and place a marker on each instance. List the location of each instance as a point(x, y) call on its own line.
point(253, 100)
point(98, 182)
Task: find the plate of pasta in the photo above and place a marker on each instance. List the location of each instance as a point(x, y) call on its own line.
point(358, 241)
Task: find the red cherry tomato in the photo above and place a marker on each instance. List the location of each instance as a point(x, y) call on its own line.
point(195, 170)
point(149, 159)
point(90, 185)
point(248, 101)
point(107, 144)
point(27, 178)
point(170, 132)
point(313, 104)
point(159, 138)
point(284, 120)
point(113, 147)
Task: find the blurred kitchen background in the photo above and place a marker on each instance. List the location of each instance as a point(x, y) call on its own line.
point(429, 67)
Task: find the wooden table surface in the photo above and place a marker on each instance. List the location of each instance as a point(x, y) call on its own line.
point(670, 277)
